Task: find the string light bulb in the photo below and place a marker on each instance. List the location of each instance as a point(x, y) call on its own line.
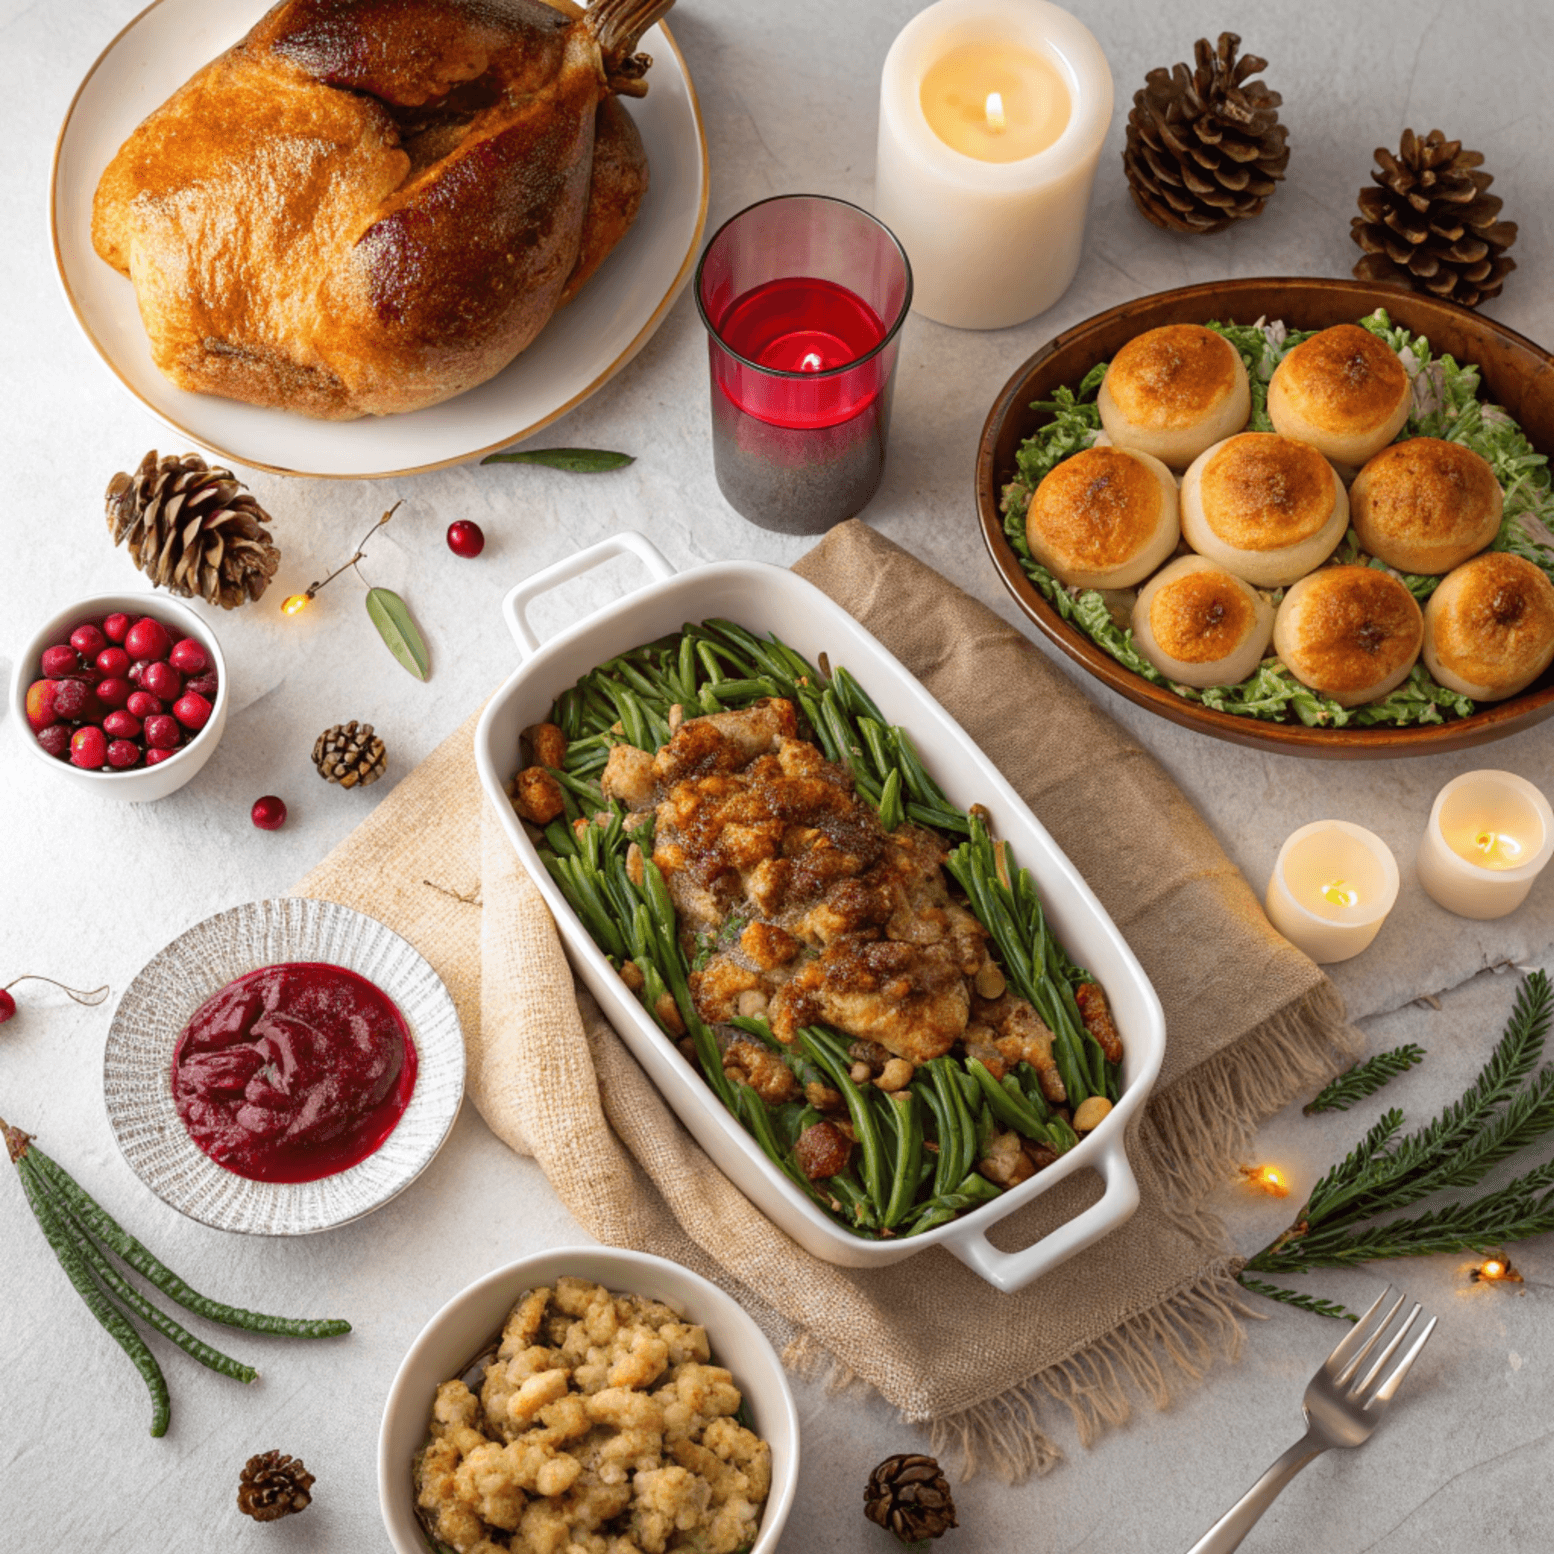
point(1266, 1179)
point(296, 604)
point(1496, 1269)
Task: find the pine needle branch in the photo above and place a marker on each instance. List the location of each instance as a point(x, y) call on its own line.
point(1322, 1308)
point(1363, 1079)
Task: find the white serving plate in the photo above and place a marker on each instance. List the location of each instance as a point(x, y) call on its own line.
point(452, 1338)
point(764, 599)
point(582, 347)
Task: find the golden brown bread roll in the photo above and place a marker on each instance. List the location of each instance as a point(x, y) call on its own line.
point(1265, 507)
point(1343, 391)
point(1173, 391)
point(1105, 518)
point(1352, 633)
point(369, 206)
point(1489, 626)
point(1200, 625)
point(1425, 505)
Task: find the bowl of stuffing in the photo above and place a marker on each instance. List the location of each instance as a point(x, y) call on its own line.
point(589, 1392)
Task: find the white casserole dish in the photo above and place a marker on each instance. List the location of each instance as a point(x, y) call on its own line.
point(764, 599)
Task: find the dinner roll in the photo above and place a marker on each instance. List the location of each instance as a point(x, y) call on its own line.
point(1265, 507)
point(1489, 627)
point(1105, 518)
point(1426, 505)
point(1173, 391)
point(1199, 625)
point(1343, 391)
point(1352, 633)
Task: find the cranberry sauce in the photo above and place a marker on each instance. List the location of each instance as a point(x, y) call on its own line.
point(293, 1072)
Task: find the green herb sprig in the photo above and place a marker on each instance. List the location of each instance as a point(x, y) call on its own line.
point(1366, 1078)
point(580, 461)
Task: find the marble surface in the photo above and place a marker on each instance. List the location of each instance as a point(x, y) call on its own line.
point(89, 890)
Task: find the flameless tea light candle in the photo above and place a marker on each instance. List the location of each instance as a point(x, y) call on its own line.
point(1489, 837)
point(1332, 887)
point(992, 115)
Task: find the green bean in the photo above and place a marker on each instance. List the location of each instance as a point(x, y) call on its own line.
point(891, 812)
point(909, 1155)
point(877, 745)
point(943, 1131)
point(589, 792)
point(610, 938)
point(863, 1119)
point(635, 679)
point(962, 1143)
point(1006, 1107)
point(842, 736)
point(856, 1199)
point(563, 842)
point(709, 662)
point(687, 668)
point(1029, 1082)
point(854, 697)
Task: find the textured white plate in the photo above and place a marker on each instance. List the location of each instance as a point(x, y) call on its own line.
point(138, 1080)
point(583, 346)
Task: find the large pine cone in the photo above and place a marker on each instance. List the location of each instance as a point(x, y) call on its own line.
point(193, 530)
point(350, 754)
point(273, 1485)
point(1205, 147)
point(1428, 223)
point(909, 1496)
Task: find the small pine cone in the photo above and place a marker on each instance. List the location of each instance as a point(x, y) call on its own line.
point(909, 1496)
point(193, 530)
point(1429, 225)
point(1204, 147)
point(350, 754)
point(273, 1485)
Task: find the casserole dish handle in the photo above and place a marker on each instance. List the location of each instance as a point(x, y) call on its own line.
point(627, 542)
point(1011, 1271)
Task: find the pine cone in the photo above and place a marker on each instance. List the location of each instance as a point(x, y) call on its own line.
point(193, 530)
point(1428, 223)
point(350, 754)
point(909, 1496)
point(273, 1485)
point(1205, 147)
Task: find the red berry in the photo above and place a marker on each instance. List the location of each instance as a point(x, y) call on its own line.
point(154, 756)
point(122, 725)
point(113, 692)
point(40, 704)
point(162, 680)
point(113, 661)
point(205, 685)
point(55, 739)
point(162, 732)
point(7, 1006)
point(59, 660)
point(148, 638)
point(116, 627)
point(466, 539)
point(88, 640)
point(268, 813)
point(123, 753)
point(192, 711)
point(73, 701)
point(187, 656)
point(88, 748)
point(143, 704)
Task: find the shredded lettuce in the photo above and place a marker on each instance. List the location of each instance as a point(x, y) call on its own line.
point(1446, 404)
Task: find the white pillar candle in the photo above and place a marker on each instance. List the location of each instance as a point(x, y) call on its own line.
point(1489, 837)
point(1331, 889)
point(992, 116)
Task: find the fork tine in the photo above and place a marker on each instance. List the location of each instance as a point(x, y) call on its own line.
point(1351, 1341)
point(1364, 1385)
point(1384, 1393)
point(1341, 1376)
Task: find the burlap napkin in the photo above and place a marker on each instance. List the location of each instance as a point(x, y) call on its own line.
point(1251, 1023)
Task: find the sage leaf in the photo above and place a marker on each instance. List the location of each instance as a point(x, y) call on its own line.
point(391, 615)
point(581, 461)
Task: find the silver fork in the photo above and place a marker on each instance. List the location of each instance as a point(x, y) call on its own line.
point(1343, 1405)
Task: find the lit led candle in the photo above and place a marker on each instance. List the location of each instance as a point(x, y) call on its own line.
point(1489, 837)
point(992, 115)
point(1331, 889)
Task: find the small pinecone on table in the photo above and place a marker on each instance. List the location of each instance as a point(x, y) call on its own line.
point(350, 754)
point(1428, 223)
point(909, 1496)
point(273, 1485)
point(193, 529)
point(1205, 147)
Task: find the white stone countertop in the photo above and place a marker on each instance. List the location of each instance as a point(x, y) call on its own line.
point(90, 890)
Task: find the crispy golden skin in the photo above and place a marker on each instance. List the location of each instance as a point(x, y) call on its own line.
point(1490, 626)
point(1201, 617)
point(1168, 378)
point(1426, 505)
point(1261, 491)
point(1095, 510)
point(1355, 628)
point(1344, 380)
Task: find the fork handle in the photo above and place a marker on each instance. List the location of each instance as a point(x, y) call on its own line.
point(1226, 1534)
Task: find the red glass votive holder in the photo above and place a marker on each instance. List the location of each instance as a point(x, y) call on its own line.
point(803, 298)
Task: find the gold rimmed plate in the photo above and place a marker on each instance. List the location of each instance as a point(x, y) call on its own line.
point(582, 347)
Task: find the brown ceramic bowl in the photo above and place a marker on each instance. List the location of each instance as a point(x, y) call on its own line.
point(1515, 373)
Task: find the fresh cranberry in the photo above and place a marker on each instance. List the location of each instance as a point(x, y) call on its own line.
point(192, 711)
point(7, 1006)
point(113, 661)
point(59, 660)
point(466, 539)
point(122, 725)
point(143, 704)
point(88, 748)
point(162, 732)
point(137, 671)
point(154, 756)
point(113, 692)
point(56, 740)
point(268, 813)
point(188, 657)
point(205, 685)
point(73, 701)
point(116, 627)
point(148, 638)
point(162, 680)
point(88, 640)
point(40, 704)
point(123, 753)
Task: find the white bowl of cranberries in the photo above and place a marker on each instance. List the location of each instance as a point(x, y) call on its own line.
point(125, 694)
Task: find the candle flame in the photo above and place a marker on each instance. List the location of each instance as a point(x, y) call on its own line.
point(996, 120)
point(1340, 893)
point(1491, 842)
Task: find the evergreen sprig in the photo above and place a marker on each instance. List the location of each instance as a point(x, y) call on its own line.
point(1366, 1078)
point(1313, 1303)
